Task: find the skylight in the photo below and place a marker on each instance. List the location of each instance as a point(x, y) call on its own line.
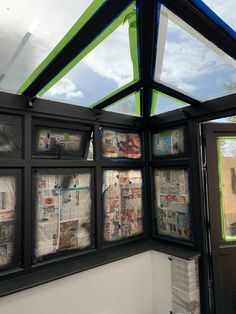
point(163, 103)
point(129, 105)
point(108, 65)
point(190, 63)
point(29, 32)
point(225, 9)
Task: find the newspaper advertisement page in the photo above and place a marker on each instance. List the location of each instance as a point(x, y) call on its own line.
point(51, 139)
point(123, 212)
point(185, 286)
point(172, 203)
point(7, 219)
point(117, 144)
point(169, 142)
point(63, 212)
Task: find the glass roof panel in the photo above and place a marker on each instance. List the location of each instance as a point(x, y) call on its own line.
point(29, 32)
point(190, 63)
point(129, 105)
point(107, 66)
point(163, 103)
point(225, 9)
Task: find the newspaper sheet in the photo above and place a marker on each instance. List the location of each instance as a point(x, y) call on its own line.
point(122, 204)
point(7, 219)
point(169, 142)
point(121, 144)
point(185, 286)
point(51, 139)
point(172, 203)
point(63, 212)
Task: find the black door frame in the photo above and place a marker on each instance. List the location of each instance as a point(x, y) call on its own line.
point(218, 247)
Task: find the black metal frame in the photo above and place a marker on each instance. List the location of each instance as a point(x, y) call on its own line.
point(187, 10)
point(30, 274)
point(219, 249)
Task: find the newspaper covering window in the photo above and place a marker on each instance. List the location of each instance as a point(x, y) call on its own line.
point(63, 212)
point(8, 138)
point(123, 212)
point(58, 141)
point(172, 203)
point(169, 142)
point(117, 144)
point(7, 219)
point(185, 286)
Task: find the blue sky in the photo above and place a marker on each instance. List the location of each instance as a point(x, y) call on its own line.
point(189, 62)
point(105, 69)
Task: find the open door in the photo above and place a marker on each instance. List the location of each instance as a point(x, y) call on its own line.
point(220, 154)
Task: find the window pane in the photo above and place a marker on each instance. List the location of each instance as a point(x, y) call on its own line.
point(108, 67)
point(8, 215)
point(225, 9)
point(123, 205)
point(118, 144)
point(227, 185)
point(162, 103)
point(169, 142)
point(29, 32)
point(60, 143)
point(172, 203)
point(63, 211)
point(10, 137)
point(190, 63)
point(129, 105)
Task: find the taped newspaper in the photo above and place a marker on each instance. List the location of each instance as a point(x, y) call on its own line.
point(172, 203)
point(118, 144)
point(168, 142)
point(7, 219)
point(122, 203)
point(52, 140)
point(63, 212)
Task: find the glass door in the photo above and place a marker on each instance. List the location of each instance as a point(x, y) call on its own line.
point(220, 169)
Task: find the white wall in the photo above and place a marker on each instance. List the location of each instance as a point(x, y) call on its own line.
point(161, 272)
point(136, 285)
point(122, 287)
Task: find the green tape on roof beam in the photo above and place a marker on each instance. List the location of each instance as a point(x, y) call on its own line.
point(90, 47)
point(95, 5)
point(155, 98)
point(133, 39)
point(138, 105)
point(172, 98)
point(154, 101)
point(131, 16)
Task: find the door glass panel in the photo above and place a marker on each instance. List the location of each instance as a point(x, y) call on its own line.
point(227, 185)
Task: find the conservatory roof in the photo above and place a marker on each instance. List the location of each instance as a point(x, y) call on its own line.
point(138, 57)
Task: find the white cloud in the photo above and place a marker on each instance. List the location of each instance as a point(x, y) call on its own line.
point(187, 62)
point(225, 9)
point(111, 59)
point(65, 87)
point(19, 17)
